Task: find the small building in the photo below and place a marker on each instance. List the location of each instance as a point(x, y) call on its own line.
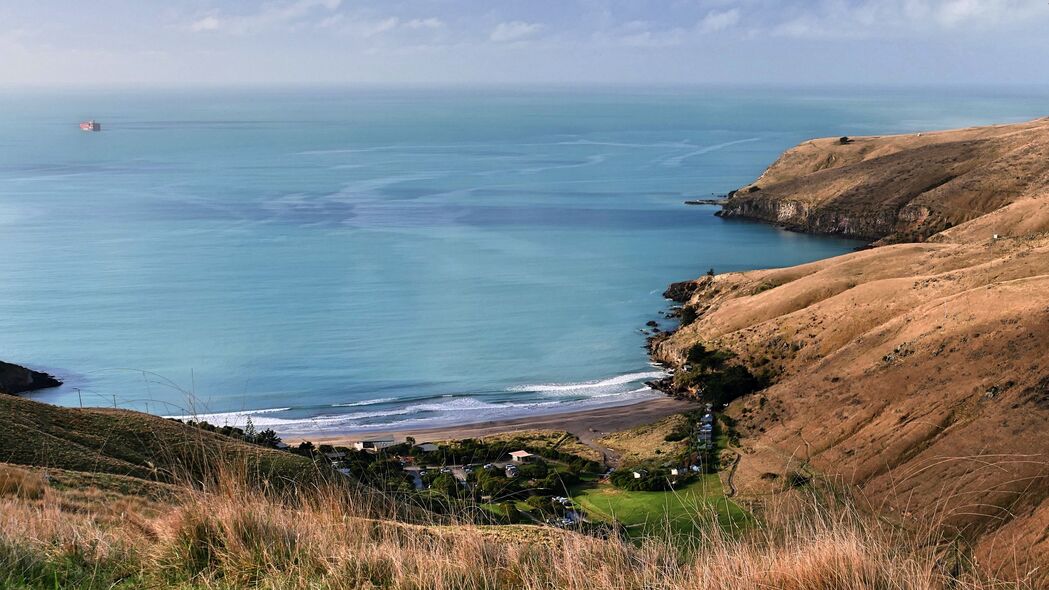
point(373, 445)
point(335, 455)
point(428, 447)
point(522, 457)
point(640, 473)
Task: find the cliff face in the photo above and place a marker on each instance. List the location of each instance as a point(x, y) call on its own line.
point(917, 372)
point(898, 188)
point(15, 379)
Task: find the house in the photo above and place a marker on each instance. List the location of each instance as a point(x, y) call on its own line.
point(427, 447)
point(522, 457)
point(373, 444)
point(335, 455)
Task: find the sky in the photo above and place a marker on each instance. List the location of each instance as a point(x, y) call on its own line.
point(564, 42)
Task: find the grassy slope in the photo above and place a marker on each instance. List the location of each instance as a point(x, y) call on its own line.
point(127, 443)
point(236, 537)
point(646, 442)
point(916, 371)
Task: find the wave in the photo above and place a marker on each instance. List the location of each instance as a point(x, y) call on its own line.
point(585, 386)
point(367, 402)
point(223, 418)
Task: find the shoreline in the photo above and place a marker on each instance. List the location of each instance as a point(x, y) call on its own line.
point(585, 424)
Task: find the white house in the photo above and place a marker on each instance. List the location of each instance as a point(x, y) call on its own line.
point(373, 445)
point(522, 457)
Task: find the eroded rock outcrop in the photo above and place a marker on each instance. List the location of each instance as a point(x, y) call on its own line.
point(16, 379)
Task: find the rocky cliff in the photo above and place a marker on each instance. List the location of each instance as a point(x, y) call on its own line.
point(916, 372)
point(16, 379)
point(898, 188)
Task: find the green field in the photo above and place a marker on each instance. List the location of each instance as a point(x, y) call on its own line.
point(652, 513)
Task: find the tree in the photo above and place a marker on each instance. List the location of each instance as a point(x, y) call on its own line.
point(446, 484)
point(267, 438)
point(249, 431)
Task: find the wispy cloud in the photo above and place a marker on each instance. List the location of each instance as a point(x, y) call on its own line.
point(424, 23)
point(719, 20)
point(508, 32)
point(888, 18)
point(208, 23)
point(367, 28)
point(271, 15)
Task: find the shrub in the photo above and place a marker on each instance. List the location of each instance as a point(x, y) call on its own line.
point(688, 315)
point(652, 479)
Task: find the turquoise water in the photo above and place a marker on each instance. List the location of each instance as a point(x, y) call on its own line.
point(327, 259)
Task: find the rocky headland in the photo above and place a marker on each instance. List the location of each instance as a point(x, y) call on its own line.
point(15, 379)
point(901, 188)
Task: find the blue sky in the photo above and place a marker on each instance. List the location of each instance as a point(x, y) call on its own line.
point(447, 42)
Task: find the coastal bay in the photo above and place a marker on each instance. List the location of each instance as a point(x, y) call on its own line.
point(283, 257)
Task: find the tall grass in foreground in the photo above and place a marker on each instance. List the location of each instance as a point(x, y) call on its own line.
point(232, 535)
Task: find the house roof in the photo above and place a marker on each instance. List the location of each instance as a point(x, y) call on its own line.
point(520, 454)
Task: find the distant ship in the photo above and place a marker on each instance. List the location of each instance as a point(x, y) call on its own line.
point(91, 125)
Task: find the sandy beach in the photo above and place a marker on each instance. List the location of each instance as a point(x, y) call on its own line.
point(586, 424)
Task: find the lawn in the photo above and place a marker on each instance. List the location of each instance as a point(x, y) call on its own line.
point(650, 513)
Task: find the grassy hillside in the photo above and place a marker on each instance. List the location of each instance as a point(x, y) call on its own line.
point(230, 536)
point(914, 371)
point(116, 499)
point(122, 442)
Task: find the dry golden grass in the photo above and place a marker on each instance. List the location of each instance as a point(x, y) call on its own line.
point(646, 442)
point(559, 439)
point(915, 372)
point(20, 483)
point(234, 536)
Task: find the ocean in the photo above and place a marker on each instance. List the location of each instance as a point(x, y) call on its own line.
point(339, 259)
